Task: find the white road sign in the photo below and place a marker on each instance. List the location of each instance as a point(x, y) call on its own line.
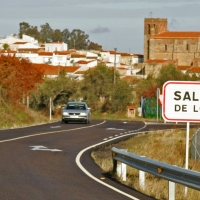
point(181, 101)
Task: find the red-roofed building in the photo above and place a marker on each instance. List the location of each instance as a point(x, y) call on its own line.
point(162, 46)
point(53, 71)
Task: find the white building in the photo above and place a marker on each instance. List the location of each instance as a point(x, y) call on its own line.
point(55, 46)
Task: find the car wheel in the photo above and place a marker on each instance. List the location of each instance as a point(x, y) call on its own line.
point(88, 121)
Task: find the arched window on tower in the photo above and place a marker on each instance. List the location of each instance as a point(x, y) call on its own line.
point(149, 29)
point(187, 47)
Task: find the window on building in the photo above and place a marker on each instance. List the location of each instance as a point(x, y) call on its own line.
point(187, 47)
point(149, 29)
point(165, 47)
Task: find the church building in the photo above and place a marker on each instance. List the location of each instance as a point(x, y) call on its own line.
point(164, 46)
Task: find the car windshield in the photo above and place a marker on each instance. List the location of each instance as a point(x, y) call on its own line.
point(76, 106)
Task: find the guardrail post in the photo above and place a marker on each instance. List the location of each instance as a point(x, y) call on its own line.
point(114, 163)
point(121, 171)
point(142, 179)
point(171, 190)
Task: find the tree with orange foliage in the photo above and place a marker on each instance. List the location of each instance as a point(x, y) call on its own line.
point(18, 77)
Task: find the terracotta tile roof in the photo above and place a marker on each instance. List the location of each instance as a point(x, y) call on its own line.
point(138, 55)
point(170, 34)
point(104, 51)
point(53, 70)
point(45, 53)
point(62, 52)
point(183, 67)
point(7, 51)
point(20, 43)
point(121, 68)
point(125, 54)
point(159, 61)
point(194, 70)
point(70, 69)
point(84, 61)
point(78, 56)
point(29, 50)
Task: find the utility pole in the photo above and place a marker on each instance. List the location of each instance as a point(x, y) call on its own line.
point(115, 65)
point(58, 69)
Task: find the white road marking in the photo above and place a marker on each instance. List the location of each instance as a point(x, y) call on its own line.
point(46, 133)
point(78, 157)
point(43, 148)
point(55, 126)
point(114, 129)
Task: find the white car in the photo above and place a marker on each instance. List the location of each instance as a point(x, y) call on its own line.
point(76, 112)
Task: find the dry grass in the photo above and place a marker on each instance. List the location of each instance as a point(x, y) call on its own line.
point(13, 116)
point(165, 146)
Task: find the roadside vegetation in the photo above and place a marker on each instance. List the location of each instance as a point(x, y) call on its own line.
point(164, 146)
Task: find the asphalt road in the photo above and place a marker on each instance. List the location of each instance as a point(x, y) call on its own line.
point(53, 162)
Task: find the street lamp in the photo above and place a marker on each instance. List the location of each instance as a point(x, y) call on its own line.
point(115, 65)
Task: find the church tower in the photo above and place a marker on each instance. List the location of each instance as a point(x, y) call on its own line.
point(152, 26)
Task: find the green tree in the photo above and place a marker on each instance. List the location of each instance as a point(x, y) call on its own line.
point(94, 46)
point(75, 39)
point(97, 86)
point(147, 87)
point(60, 90)
point(6, 46)
point(121, 96)
point(46, 33)
point(170, 73)
point(78, 39)
point(57, 36)
point(25, 28)
point(66, 36)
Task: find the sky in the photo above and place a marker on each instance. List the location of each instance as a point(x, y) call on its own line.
point(110, 23)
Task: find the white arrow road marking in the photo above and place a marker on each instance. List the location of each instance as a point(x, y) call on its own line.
point(43, 148)
point(114, 129)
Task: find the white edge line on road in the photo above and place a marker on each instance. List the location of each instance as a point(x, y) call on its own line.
point(46, 133)
point(96, 179)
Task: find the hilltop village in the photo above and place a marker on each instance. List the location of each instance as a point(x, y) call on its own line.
point(161, 47)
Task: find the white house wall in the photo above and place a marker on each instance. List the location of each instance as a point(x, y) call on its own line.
point(29, 39)
point(51, 47)
point(59, 60)
point(112, 58)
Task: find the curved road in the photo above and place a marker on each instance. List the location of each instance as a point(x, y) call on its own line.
point(52, 161)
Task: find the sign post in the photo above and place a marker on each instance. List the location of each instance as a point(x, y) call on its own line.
point(181, 103)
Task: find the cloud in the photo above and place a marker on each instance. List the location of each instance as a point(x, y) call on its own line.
point(100, 29)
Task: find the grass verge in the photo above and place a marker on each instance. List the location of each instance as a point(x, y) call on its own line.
point(14, 116)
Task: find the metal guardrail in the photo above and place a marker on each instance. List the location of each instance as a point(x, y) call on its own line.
point(195, 145)
point(169, 172)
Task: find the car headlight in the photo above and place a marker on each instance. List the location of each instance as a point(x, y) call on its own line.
point(65, 113)
point(83, 114)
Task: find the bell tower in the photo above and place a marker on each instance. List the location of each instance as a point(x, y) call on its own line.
point(152, 26)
